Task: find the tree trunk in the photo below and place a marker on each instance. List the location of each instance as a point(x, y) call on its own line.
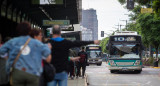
point(157, 53)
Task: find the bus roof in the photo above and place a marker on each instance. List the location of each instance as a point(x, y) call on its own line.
point(126, 33)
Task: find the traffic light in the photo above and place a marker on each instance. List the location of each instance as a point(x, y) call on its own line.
point(102, 33)
point(130, 4)
point(48, 33)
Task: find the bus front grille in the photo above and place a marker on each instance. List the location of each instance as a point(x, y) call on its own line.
point(124, 63)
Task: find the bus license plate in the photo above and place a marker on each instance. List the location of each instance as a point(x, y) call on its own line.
point(124, 68)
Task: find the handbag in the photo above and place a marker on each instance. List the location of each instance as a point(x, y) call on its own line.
point(49, 71)
point(16, 59)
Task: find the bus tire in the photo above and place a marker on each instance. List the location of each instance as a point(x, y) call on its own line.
point(112, 71)
point(138, 71)
point(99, 64)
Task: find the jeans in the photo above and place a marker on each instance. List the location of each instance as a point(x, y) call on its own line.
point(60, 79)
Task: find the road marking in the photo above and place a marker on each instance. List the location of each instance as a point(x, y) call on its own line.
point(116, 84)
point(101, 72)
point(89, 72)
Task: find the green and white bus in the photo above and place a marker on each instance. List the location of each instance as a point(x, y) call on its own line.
point(94, 53)
point(125, 52)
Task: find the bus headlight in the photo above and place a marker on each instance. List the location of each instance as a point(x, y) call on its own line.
point(137, 62)
point(111, 62)
point(100, 60)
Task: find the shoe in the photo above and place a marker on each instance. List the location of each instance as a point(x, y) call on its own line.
point(76, 77)
point(72, 78)
point(82, 77)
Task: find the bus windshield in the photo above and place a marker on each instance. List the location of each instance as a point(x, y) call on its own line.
point(125, 51)
point(94, 54)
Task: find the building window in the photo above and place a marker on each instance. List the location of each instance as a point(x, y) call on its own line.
point(19, 17)
point(9, 12)
point(3, 8)
point(14, 15)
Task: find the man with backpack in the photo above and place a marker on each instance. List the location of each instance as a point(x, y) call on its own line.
point(82, 62)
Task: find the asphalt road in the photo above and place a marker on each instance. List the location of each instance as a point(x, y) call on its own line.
point(101, 76)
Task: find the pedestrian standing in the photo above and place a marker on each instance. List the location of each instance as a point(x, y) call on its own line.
point(27, 68)
point(37, 34)
point(60, 54)
point(71, 64)
point(82, 62)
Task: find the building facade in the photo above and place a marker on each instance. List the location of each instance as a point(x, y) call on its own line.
point(86, 34)
point(89, 21)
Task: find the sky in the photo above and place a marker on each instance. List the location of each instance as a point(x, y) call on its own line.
point(109, 14)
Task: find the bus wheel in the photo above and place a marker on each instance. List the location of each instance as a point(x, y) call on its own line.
point(99, 64)
point(138, 71)
point(112, 71)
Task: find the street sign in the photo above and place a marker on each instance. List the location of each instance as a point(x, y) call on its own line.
point(43, 2)
point(55, 22)
point(67, 28)
point(130, 4)
point(146, 10)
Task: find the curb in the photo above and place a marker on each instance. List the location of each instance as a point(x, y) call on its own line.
point(151, 67)
point(86, 81)
point(156, 67)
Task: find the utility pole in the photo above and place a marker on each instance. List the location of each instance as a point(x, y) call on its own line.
point(118, 26)
point(126, 23)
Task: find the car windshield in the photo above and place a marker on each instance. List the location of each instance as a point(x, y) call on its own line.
point(94, 54)
point(125, 51)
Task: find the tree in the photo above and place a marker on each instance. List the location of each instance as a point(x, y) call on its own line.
point(150, 29)
point(156, 7)
point(103, 44)
point(148, 24)
point(122, 2)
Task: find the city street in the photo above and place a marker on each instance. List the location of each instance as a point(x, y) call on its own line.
point(101, 76)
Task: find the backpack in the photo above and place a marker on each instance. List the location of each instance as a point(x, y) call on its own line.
point(49, 71)
point(82, 58)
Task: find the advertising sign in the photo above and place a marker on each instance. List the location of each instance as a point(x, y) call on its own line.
point(146, 10)
point(43, 2)
point(55, 22)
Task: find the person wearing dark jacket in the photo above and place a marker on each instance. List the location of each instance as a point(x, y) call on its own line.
point(60, 54)
point(82, 62)
point(71, 64)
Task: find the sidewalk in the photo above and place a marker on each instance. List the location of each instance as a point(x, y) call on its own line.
point(77, 82)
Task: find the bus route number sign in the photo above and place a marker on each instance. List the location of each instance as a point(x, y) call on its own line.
point(93, 47)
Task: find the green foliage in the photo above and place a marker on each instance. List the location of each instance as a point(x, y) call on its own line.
point(136, 11)
point(122, 2)
point(143, 2)
point(156, 7)
point(150, 28)
point(140, 2)
point(147, 24)
point(103, 44)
